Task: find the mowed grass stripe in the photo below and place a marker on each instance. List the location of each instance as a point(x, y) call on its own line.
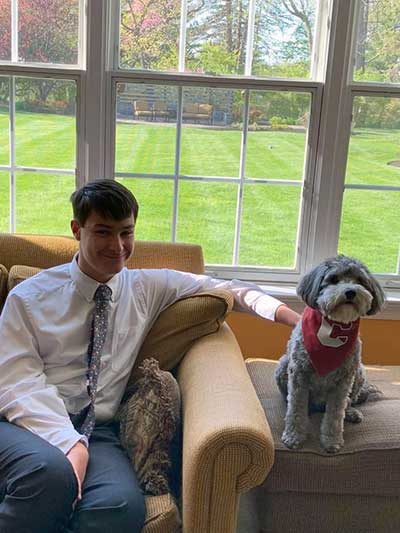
point(206, 211)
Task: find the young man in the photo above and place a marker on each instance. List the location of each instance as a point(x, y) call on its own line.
point(69, 338)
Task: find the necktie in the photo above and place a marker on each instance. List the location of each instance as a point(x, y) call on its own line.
point(102, 298)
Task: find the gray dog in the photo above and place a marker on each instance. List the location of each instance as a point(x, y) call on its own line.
point(322, 368)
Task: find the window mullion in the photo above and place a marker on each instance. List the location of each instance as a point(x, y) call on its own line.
point(14, 31)
point(242, 166)
point(177, 164)
point(332, 143)
point(94, 105)
point(182, 37)
point(12, 156)
point(250, 38)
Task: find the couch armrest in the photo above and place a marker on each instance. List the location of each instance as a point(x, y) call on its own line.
point(227, 443)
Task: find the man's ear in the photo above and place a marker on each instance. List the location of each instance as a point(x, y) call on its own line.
point(76, 229)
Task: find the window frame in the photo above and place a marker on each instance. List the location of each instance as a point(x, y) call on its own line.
point(332, 90)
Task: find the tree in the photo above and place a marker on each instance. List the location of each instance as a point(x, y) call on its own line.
point(284, 36)
point(378, 41)
point(150, 33)
point(47, 33)
point(218, 25)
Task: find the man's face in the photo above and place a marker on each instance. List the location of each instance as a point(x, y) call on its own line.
point(105, 245)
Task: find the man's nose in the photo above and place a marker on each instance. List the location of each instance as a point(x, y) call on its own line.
point(116, 243)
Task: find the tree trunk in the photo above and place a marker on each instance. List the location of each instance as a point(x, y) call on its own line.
point(362, 36)
point(229, 31)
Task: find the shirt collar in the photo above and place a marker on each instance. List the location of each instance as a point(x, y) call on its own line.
point(87, 286)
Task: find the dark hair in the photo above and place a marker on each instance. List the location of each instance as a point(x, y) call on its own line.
point(107, 197)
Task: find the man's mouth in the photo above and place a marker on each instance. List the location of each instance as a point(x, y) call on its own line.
point(115, 257)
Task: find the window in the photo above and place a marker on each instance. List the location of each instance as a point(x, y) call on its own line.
point(37, 113)
point(268, 132)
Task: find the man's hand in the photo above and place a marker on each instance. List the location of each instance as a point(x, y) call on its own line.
point(285, 315)
point(79, 458)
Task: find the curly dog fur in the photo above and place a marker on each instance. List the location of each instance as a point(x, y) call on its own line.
point(342, 289)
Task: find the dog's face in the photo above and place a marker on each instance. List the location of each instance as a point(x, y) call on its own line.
point(342, 288)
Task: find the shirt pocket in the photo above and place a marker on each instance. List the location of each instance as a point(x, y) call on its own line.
point(124, 346)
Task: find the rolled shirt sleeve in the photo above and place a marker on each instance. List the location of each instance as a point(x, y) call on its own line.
point(248, 297)
point(26, 399)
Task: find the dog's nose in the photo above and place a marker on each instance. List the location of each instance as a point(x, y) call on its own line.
point(350, 295)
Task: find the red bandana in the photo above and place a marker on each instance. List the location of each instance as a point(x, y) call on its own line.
point(327, 342)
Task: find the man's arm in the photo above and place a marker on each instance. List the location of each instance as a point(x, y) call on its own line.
point(285, 315)
point(248, 297)
point(26, 399)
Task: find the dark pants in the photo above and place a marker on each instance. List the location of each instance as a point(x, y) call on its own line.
point(38, 486)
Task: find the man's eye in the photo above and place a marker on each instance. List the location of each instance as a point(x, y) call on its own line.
point(101, 232)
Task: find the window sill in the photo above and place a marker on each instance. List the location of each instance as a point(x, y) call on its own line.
point(287, 295)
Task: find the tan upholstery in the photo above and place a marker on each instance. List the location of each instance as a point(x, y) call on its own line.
point(19, 273)
point(45, 251)
point(142, 108)
point(196, 111)
point(160, 109)
point(180, 325)
point(162, 515)
point(227, 445)
point(357, 489)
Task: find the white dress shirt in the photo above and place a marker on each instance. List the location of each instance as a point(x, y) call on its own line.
point(45, 331)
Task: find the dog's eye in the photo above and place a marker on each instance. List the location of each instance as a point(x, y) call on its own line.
point(333, 280)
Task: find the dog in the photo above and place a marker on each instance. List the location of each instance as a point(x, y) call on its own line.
point(321, 369)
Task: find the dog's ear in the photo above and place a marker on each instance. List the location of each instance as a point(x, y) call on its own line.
point(310, 285)
point(374, 287)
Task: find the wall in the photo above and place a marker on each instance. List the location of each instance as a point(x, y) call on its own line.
point(260, 338)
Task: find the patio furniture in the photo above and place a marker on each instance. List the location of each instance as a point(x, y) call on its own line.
point(160, 110)
point(142, 109)
point(197, 112)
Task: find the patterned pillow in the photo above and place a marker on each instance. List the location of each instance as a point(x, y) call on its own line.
point(149, 422)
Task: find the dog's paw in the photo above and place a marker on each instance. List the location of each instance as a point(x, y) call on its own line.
point(332, 444)
point(293, 439)
point(353, 415)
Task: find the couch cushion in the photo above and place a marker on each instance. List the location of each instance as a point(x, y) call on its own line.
point(180, 325)
point(3, 285)
point(162, 515)
point(191, 108)
point(20, 273)
point(369, 462)
point(46, 251)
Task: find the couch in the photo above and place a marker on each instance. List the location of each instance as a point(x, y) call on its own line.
point(142, 109)
point(356, 490)
point(198, 112)
point(227, 446)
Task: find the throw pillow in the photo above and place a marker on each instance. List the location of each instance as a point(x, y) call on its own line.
point(20, 273)
point(179, 326)
point(149, 421)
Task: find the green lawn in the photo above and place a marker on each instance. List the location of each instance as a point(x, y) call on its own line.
point(207, 211)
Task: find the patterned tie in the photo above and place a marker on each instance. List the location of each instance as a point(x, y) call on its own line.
point(98, 333)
